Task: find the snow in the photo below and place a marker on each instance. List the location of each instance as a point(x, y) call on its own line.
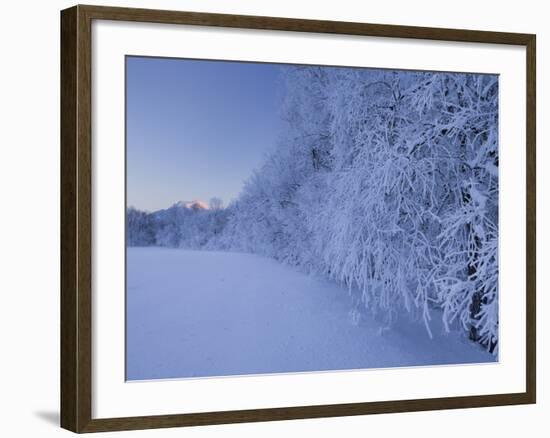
point(213, 313)
point(194, 205)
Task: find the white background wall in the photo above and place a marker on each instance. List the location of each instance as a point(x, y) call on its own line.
point(29, 219)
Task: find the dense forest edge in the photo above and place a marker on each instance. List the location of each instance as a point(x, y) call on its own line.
point(384, 181)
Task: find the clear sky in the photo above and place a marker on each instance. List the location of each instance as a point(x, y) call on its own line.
point(196, 129)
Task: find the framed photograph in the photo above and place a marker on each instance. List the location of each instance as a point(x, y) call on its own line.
point(271, 218)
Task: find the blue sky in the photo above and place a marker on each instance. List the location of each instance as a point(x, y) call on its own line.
point(197, 129)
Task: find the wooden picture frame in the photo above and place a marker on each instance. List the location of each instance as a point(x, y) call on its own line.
point(76, 218)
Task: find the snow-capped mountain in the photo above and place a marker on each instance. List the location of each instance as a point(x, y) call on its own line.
point(193, 205)
point(180, 208)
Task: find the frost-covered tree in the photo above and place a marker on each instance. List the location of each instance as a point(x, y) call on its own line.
point(215, 203)
point(140, 229)
point(388, 182)
point(168, 225)
point(183, 225)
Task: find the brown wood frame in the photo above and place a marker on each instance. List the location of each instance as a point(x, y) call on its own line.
point(76, 236)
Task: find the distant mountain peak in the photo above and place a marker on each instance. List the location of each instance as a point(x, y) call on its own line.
point(195, 205)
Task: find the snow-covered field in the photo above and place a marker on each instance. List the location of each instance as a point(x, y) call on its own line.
point(208, 313)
